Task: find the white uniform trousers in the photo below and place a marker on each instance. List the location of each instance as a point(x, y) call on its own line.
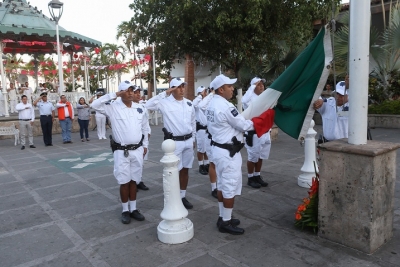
point(128, 168)
point(23, 127)
point(184, 150)
point(229, 172)
point(13, 104)
point(260, 149)
point(101, 125)
point(208, 148)
point(201, 137)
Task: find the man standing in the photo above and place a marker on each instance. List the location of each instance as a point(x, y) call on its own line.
point(100, 119)
point(26, 116)
point(28, 91)
point(180, 126)
point(129, 144)
point(201, 127)
point(12, 93)
point(226, 127)
point(66, 118)
point(47, 114)
point(257, 148)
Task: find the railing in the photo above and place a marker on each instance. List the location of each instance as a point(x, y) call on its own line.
point(72, 97)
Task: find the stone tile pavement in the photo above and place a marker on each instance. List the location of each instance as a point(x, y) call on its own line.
point(59, 206)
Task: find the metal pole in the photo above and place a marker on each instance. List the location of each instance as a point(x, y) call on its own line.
point(360, 15)
point(155, 85)
point(86, 75)
point(3, 81)
point(72, 72)
point(60, 70)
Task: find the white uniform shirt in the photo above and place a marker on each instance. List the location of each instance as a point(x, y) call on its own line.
point(45, 108)
point(12, 94)
point(128, 124)
point(334, 126)
point(224, 121)
point(28, 92)
point(200, 116)
point(178, 116)
point(24, 113)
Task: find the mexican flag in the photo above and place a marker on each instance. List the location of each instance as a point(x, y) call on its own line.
point(292, 95)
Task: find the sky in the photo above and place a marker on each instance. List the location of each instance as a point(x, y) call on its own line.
point(96, 19)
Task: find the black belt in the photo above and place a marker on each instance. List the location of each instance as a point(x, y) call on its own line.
point(24, 120)
point(46, 115)
point(200, 126)
point(182, 137)
point(224, 146)
point(129, 147)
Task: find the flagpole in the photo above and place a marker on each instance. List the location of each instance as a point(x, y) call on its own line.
point(360, 15)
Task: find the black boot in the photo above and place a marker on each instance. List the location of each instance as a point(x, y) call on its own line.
point(251, 182)
point(227, 227)
point(142, 186)
point(234, 222)
point(259, 180)
point(207, 167)
point(202, 170)
point(214, 193)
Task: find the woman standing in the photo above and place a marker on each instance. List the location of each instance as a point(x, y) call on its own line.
point(83, 117)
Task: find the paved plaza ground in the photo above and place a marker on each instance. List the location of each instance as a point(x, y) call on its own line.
point(59, 206)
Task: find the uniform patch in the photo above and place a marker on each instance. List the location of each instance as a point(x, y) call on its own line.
point(139, 110)
point(210, 115)
point(189, 104)
point(234, 112)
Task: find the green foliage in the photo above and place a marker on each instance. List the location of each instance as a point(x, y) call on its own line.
point(387, 107)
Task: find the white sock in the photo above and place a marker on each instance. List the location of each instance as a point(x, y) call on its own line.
point(125, 207)
point(250, 175)
point(227, 214)
point(183, 193)
point(256, 174)
point(132, 205)
point(206, 162)
point(221, 209)
point(200, 162)
point(213, 186)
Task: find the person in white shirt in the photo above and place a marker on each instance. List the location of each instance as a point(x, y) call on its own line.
point(201, 127)
point(101, 119)
point(226, 127)
point(26, 116)
point(180, 126)
point(335, 120)
point(258, 149)
point(28, 91)
point(129, 142)
point(12, 93)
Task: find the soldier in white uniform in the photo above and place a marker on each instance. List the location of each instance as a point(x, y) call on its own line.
point(26, 90)
point(258, 149)
point(12, 93)
point(101, 119)
point(201, 127)
point(335, 121)
point(226, 126)
point(180, 126)
point(129, 143)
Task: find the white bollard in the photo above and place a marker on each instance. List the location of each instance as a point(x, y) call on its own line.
point(175, 228)
point(308, 169)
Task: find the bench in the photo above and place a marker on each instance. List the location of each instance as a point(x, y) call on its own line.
point(10, 130)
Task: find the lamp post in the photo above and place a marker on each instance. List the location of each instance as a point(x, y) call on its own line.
point(56, 10)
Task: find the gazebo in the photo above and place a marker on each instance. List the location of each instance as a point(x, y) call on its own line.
point(24, 29)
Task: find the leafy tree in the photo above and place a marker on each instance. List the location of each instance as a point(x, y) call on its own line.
point(228, 32)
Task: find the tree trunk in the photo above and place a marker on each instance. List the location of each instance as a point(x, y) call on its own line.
point(189, 77)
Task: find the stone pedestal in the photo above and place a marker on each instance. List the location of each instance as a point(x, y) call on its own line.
point(175, 228)
point(356, 193)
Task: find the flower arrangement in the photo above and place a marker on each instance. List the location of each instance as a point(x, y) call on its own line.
point(307, 212)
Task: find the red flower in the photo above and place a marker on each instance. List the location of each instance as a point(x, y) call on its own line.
point(298, 216)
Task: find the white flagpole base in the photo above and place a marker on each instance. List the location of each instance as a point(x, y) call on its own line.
point(305, 179)
point(175, 232)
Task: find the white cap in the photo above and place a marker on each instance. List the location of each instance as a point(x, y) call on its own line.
point(200, 89)
point(125, 85)
point(220, 80)
point(341, 88)
point(175, 82)
point(255, 80)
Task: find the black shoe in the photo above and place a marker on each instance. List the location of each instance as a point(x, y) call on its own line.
point(202, 170)
point(253, 183)
point(234, 222)
point(22, 147)
point(142, 186)
point(207, 167)
point(227, 227)
point(32, 146)
point(137, 215)
point(187, 204)
point(65, 142)
point(125, 218)
point(50, 144)
point(214, 193)
point(259, 180)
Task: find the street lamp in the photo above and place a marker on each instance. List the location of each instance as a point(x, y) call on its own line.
point(56, 10)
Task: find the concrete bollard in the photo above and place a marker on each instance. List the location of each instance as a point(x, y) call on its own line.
point(175, 228)
point(308, 169)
